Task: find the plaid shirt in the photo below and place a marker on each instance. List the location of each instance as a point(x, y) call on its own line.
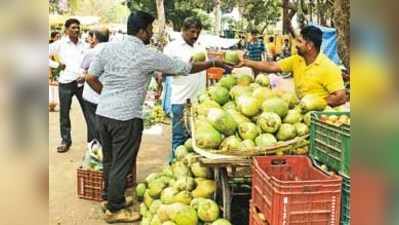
point(125, 69)
point(255, 50)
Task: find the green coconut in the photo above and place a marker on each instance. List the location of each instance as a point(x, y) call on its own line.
point(248, 130)
point(230, 143)
point(232, 57)
point(293, 116)
point(227, 81)
point(199, 57)
point(263, 80)
point(269, 122)
point(286, 132)
point(276, 105)
point(247, 145)
point(219, 94)
point(222, 121)
point(265, 140)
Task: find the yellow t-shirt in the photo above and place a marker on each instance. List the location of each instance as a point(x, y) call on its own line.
point(321, 78)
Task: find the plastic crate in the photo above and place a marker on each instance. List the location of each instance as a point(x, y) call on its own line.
point(329, 144)
point(91, 184)
point(289, 190)
point(345, 205)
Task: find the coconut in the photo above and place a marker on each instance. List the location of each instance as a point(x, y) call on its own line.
point(276, 105)
point(269, 122)
point(248, 130)
point(286, 132)
point(265, 140)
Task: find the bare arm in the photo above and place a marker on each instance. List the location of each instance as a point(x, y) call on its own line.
point(94, 83)
point(262, 66)
point(200, 66)
point(336, 98)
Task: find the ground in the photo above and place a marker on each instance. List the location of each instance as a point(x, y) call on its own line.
point(65, 208)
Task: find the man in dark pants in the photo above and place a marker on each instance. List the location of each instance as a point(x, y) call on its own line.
point(69, 51)
point(100, 38)
point(124, 68)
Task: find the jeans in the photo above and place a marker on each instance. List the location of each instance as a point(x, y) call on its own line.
point(167, 92)
point(91, 121)
point(120, 144)
point(179, 131)
point(66, 92)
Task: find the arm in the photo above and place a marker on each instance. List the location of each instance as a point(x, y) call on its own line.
point(53, 51)
point(263, 66)
point(284, 65)
point(334, 84)
point(94, 83)
point(201, 66)
point(155, 61)
point(96, 69)
point(336, 98)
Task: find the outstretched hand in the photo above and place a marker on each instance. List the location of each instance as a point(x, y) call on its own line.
point(241, 63)
point(223, 64)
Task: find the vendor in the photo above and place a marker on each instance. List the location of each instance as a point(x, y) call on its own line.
point(313, 72)
point(186, 86)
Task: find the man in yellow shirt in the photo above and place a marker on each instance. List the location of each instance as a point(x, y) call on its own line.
point(313, 72)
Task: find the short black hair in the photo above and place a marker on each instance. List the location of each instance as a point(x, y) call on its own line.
point(71, 21)
point(102, 35)
point(254, 32)
point(313, 34)
point(271, 39)
point(90, 33)
point(53, 34)
point(137, 21)
point(192, 22)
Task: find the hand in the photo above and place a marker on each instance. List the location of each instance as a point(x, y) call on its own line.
point(222, 64)
point(62, 66)
point(241, 63)
point(81, 79)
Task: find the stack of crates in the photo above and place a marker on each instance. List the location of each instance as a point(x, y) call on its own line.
point(290, 190)
point(330, 146)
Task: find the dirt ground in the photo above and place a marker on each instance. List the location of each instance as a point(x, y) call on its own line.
point(65, 208)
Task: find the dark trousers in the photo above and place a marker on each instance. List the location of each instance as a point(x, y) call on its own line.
point(120, 143)
point(179, 131)
point(66, 92)
point(90, 112)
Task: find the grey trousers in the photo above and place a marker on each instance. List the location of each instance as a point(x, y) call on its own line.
point(120, 143)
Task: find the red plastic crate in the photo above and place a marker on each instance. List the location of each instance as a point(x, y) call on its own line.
point(288, 190)
point(91, 184)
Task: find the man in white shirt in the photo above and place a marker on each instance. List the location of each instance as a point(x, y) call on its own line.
point(70, 51)
point(184, 87)
point(91, 97)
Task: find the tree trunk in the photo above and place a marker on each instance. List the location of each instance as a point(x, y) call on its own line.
point(161, 22)
point(286, 21)
point(341, 22)
point(218, 17)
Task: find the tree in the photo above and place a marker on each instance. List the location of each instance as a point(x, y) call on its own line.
point(109, 11)
point(218, 17)
point(260, 13)
point(341, 22)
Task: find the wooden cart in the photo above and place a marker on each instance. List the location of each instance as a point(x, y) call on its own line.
point(226, 166)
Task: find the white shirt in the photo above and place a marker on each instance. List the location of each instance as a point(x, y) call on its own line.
point(88, 93)
point(184, 87)
point(71, 55)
